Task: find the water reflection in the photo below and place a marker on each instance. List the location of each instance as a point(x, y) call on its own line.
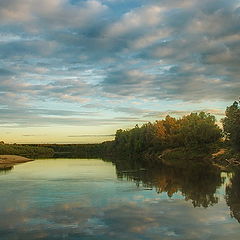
point(84, 199)
point(197, 183)
point(233, 195)
point(4, 169)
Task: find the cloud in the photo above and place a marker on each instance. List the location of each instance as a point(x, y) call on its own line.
point(73, 90)
point(211, 48)
point(21, 116)
point(149, 218)
point(56, 13)
point(135, 20)
point(87, 136)
point(109, 53)
point(147, 113)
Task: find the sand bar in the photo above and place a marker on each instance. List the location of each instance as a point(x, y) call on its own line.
point(12, 159)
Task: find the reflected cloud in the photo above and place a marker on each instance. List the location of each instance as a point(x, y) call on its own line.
point(120, 220)
point(44, 201)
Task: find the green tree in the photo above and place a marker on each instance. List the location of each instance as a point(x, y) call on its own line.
point(231, 124)
point(172, 126)
point(191, 130)
point(199, 129)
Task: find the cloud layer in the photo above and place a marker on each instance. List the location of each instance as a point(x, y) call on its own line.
point(112, 54)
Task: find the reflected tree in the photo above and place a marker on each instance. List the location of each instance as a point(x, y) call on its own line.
point(233, 195)
point(4, 169)
point(196, 183)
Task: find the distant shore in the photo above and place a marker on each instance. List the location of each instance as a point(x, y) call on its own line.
point(10, 160)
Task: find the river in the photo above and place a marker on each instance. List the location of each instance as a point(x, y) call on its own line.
point(98, 200)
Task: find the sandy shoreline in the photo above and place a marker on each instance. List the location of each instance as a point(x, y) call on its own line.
point(10, 160)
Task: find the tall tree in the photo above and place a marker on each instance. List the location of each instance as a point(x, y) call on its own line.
point(199, 129)
point(231, 124)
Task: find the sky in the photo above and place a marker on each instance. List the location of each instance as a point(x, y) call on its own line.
point(75, 71)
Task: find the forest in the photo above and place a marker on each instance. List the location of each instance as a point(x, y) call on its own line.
point(194, 136)
point(26, 150)
point(191, 137)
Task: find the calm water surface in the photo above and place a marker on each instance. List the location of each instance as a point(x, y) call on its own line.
point(93, 199)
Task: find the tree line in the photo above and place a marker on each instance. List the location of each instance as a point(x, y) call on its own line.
point(196, 130)
point(26, 150)
point(193, 131)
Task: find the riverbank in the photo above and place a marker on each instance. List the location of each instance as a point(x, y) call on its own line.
point(26, 151)
point(10, 160)
point(226, 159)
